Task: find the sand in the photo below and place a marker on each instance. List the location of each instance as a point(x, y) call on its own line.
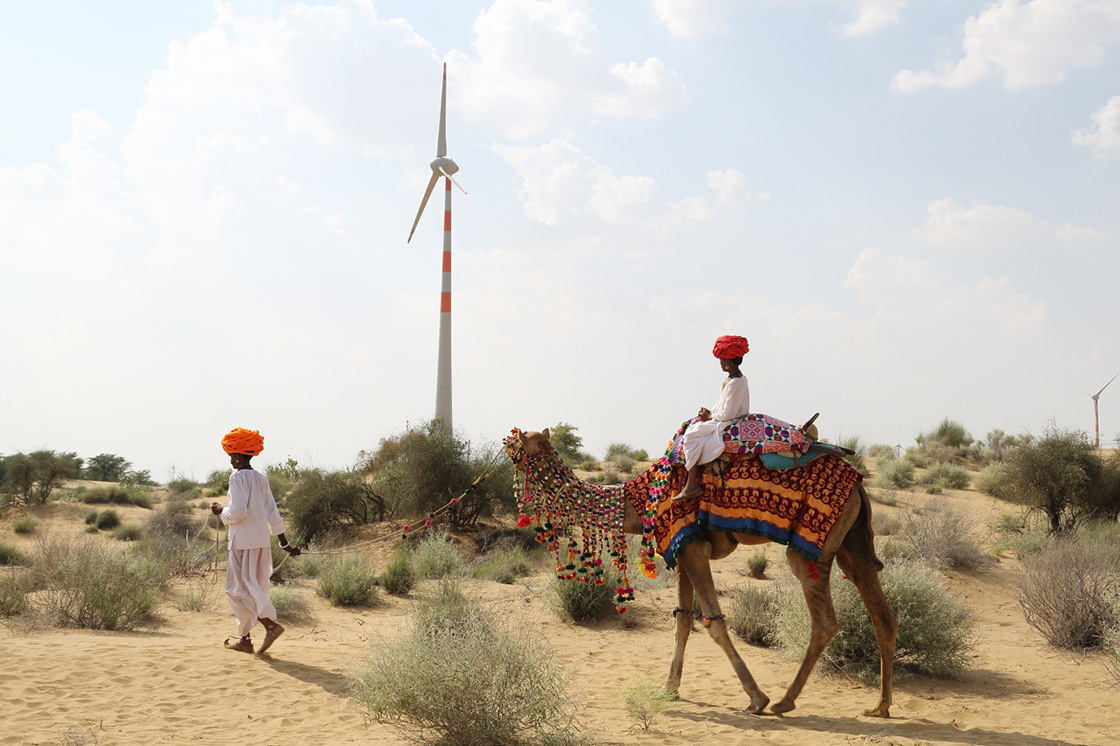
point(176, 683)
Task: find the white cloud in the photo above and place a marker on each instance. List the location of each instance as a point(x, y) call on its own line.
point(692, 19)
point(561, 185)
point(1027, 44)
point(983, 226)
point(1104, 136)
point(539, 62)
point(872, 15)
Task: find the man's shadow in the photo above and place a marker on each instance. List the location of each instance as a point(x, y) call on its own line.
point(332, 683)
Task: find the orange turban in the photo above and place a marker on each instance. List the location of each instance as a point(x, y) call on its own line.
point(729, 346)
point(240, 440)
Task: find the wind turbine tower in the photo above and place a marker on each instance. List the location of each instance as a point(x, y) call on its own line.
point(1096, 412)
point(445, 167)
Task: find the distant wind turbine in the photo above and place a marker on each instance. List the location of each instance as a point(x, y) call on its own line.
point(442, 166)
point(1096, 411)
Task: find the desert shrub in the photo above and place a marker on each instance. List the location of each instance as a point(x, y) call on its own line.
point(24, 524)
point(181, 556)
point(1112, 638)
point(14, 587)
point(887, 497)
point(218, 481)
point(568, 444)
point(949, 432)
point(896, 474)
point(935, 629)
point(752, 612)
point(116, 495)
point(504, 565)
point(894, 550)
point(107, 519)
point(854, 443)
point(946, 476)
point(80, 737)
point(583, 602)
point(398, 577)
point(463, 676)
point(173, 519)
point(625, 464)
point(32, 477)
point(128, 532)
point(11, 555)
point(348, 581)
point(292, 606)
point(993, 480)
point(1066, 591)
point(91, 517)
point(645, 700)
point(885, 524)
point(882, 453)
point(181, 488)
point(322, 502)
point(199, 595)
point(757, 564)
point(435, 556)
point(940, 535)
point(90, 586)
point(427, 467)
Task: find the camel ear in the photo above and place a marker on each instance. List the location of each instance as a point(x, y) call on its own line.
point(522, 439)
point(545, 433)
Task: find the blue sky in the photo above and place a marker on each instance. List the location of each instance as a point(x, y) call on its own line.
point(909, 208)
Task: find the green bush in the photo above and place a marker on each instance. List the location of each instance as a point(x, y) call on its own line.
point(645, 700)
point(884, 523)
point(935, 629)
point(107, 519)
point(14, 587)
point(91, 518)
point(435, 556)
point(182, 488)
point(463, 676)
point(940, 535)
point(757, 564)
point(580, 602)
point(87, 585)
point(11, 555)
point(398, 577)
point(882, 453)
point(116, 495)
point(1066, 591)
point(946, 476)
point(896, 474)
point(856, 459)
point(24, 524)
point(348, 581)
point(291, 606)
point(994, 480)
point(752, 612)
point(324, 502)
point(175, 519)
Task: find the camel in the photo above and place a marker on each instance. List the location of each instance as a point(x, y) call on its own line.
point(850, 543)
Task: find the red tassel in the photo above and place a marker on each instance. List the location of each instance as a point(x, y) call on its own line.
point(813, 574)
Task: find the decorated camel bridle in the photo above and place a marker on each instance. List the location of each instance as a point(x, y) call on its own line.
point(553, 498)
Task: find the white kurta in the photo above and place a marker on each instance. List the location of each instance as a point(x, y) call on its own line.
point(703, 441)
point(252, 518)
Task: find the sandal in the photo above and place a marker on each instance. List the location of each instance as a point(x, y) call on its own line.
point(241, 646)
point(270, 636)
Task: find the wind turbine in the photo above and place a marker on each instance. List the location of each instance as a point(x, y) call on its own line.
point(1096, 412)
point(442, 166)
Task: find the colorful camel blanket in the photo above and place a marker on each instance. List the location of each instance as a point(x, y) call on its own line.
point(796, 507)
point(755, 433)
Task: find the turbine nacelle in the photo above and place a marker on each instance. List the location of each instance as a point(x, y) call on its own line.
point(444, 166)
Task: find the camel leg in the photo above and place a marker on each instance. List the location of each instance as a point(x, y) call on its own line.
point(694, 562)
point(858, 564)
point(682, 619)
point(818, 597)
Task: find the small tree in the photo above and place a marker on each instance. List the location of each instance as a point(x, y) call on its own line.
point(567, 443)
point(1062, 475)
point(34, 476)
point(106, 467)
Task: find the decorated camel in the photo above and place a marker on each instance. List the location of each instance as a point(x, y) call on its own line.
point(820, 510)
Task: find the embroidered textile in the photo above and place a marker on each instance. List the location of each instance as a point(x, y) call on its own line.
point(755, 433)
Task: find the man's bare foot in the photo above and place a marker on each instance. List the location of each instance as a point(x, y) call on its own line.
point(270, 636)
point(688, 492)
point(243, 645)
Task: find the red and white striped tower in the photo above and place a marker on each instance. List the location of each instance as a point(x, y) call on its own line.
point(442, 166)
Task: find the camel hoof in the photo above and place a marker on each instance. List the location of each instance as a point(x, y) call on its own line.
point(782, 706)
point(878, 712)
point(671, 694)
point(758, 704)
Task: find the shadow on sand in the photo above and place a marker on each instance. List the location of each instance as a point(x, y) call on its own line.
point(332, 683)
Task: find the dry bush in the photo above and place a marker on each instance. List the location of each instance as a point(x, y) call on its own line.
point(935, 629)
point(463, 676)
point(896, 474)
point(757, 564)
point(1066, 591)
point(940, 535)
point(752, 612)
point(435, 556)
point(348, 581)
point(947, 476)
point(581, 602)
point(11, 555)
point(292, 606)
point(14, 587)
point(885, 524)
point(199, 595)
point(399, 576)
point(645, 700)
point(502, 565)
point(84, 584)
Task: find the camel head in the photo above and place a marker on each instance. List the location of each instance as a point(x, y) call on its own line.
point(520, 445)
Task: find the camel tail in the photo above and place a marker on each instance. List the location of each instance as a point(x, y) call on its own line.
point(863, 523)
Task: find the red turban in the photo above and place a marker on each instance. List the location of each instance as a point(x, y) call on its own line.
point(729, 346)
point(240, 440)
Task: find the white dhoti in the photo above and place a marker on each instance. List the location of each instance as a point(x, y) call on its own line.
point(703, 442)
point(247, 574)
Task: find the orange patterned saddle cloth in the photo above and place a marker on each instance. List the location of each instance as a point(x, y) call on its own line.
point(796, 507)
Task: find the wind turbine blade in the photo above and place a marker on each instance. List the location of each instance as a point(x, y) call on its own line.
point(423, 203)
point(1102, 387)
point(464, 191)
point(441, 146)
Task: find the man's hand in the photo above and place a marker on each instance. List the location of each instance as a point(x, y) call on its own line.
point(292, 550)
point(705, 414)
point(215, 508)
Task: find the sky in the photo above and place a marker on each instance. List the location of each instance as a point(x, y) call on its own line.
point(909, 207)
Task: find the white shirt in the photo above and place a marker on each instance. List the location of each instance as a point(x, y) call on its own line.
point(734, 400)
point(251, 515)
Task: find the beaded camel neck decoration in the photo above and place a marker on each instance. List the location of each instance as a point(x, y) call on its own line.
point(571, 516)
